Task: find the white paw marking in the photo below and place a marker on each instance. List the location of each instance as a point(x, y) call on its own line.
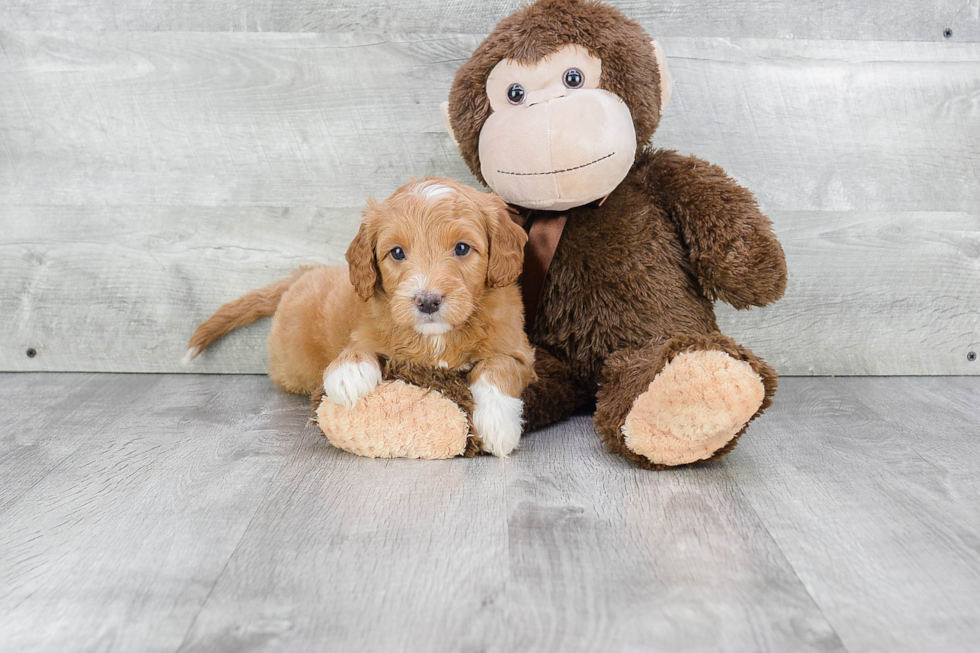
point(347, 383)
point(497, 418)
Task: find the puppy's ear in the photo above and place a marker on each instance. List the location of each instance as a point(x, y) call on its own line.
point(361, 259)
point(507, 241)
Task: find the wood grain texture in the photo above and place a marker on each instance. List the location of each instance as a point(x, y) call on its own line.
point(148, 178)
point(606, 557)
point(212, 518)
point(363, 555)
point(36, 406)
point(116, 548)
point(326, 120)
point(870, 19)
point(863, 483)
point(871, 294)
point(122, 288)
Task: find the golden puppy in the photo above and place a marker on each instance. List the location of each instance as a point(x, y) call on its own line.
point(431, 280)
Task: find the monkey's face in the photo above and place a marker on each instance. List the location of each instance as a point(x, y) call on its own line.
point(555, 140)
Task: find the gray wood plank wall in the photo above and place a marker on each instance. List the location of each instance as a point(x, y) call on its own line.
point(156, 162)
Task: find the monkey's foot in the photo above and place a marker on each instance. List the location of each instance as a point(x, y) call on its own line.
point(397, 420)
point(696, 405)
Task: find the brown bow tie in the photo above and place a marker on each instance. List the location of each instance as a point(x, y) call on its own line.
point(543, 233)
point(544, 230)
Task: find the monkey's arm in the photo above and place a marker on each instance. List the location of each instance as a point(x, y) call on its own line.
point(733, 250)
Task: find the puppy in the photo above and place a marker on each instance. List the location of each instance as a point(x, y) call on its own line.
point(431, 279)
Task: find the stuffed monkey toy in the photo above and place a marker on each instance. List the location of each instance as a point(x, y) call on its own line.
point(628, 246)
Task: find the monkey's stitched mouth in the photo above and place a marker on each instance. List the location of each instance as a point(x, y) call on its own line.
point(555, 172)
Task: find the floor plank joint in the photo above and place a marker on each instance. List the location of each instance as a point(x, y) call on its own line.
point(217, 520)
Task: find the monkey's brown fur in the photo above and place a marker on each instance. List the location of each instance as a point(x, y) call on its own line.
point(633, 281)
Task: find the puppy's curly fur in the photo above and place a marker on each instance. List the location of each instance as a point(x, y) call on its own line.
point(431, 286)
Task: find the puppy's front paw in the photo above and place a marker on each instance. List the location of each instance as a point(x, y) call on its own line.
point(497, 418)
point(344, 383)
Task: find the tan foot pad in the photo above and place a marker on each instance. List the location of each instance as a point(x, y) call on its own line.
point(693, 408)
point(397, 420)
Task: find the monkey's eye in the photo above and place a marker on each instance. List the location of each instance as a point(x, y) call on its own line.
point(397, 254)
point(515, 94)
point(461, 249)
point(574, 78)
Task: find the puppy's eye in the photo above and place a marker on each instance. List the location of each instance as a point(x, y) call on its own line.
point(574, 78)
point(515, 94)
point(397, 254)
point(461, 249)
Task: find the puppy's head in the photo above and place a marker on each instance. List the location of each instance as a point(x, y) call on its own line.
point(431, 250)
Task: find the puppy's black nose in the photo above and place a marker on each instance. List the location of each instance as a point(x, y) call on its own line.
point(428, 302)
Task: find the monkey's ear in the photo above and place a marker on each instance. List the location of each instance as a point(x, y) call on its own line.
point(506, 240)
point(444, 109)
point(363, 267)
point(666, 82)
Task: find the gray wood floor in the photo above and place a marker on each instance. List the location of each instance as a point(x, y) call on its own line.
point(202, 513)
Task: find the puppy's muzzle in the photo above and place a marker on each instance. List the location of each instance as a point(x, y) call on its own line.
point(428, 302)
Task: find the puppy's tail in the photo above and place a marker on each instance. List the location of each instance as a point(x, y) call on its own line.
point(240, 312)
